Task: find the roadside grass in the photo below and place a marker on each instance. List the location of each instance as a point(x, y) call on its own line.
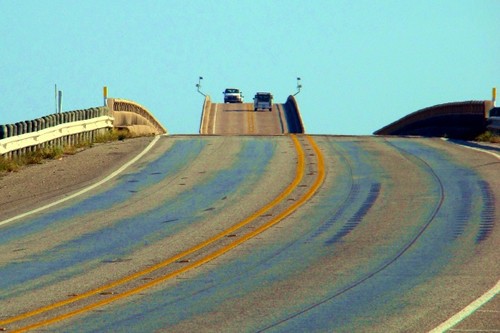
point(56, 152)
point(488, 137)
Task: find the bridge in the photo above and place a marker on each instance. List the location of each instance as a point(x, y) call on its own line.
point(458, 120)
point(253, 225)
point(241, 119)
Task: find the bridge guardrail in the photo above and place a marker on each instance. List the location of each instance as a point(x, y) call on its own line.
point(462, 120)
point(494, 124)
point(59, 129)
point(292, 105)
point(69, 133)
point(134, 117)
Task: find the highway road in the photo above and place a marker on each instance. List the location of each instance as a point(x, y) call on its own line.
point(241, 119)
point(286, 233)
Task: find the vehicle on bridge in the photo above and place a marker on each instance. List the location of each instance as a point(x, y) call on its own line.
point(263, 100)
point(233, 95)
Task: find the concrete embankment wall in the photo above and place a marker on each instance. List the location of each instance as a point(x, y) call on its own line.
point(460, 120)
point(134, 117)
point(67, 128)
point(207, 104)
point(293, 117)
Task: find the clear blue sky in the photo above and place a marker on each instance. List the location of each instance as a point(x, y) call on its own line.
point(363, 64)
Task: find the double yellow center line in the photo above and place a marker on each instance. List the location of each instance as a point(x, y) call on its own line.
point(251, 121)
point(300, 170)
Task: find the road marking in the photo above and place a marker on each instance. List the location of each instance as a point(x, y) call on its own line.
point(251, 121)
point(474, 148)
point(468, 310)
point(205, 120)
point(278, 108)
point(85, 190)
point(486, 297)
point(473, 330)
point(292, 186)
point(215, 118)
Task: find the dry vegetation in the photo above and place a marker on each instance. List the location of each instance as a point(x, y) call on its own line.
point(488, 137)
point(56, 152)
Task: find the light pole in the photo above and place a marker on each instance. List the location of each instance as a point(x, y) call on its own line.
point(59, 97)
point(198, 86)
point(299, 86)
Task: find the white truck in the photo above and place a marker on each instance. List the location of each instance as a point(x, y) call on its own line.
point(233, 95)
point(263, 100)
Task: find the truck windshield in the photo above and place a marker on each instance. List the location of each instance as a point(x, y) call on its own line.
point(232, 91)
point(264, 98)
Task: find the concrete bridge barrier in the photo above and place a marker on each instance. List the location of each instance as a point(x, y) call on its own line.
point(460, 120)
point(134, 118)
point(293, 117)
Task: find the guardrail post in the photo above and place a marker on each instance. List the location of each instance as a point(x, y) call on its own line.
point(71, 118)
point(3, 132)
point(17, 129)
point(31, 129)
point(10, 130)
point(21, 129)
point(43, 125)
point(14, 133)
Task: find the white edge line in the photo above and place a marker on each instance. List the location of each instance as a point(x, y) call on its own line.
point(468, 310)
point(474, 148)
point(475, 305)
point(91, 187)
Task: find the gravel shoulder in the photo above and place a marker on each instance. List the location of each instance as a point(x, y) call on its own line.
point(35, 185)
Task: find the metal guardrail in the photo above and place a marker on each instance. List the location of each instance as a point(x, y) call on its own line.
point(494, 124)
point(68, 128)
point(51, 120)
point(70, 132)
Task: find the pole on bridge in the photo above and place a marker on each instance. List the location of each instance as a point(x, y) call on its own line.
point(105, 94)
point(199, 86)
point(299, 86)
point(494, 96)
point(59, 104)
